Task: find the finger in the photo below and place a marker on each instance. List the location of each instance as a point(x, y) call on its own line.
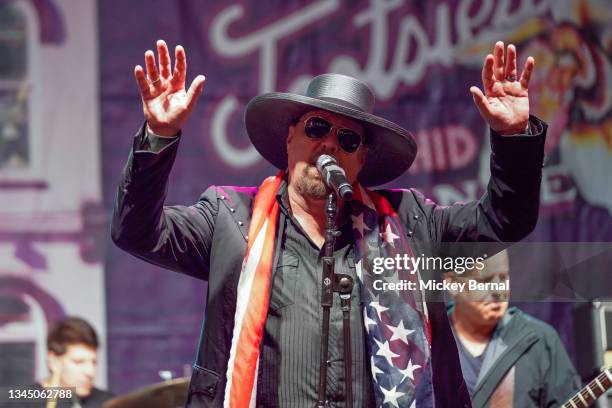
point(195, 90)
point(510, 72)
point(152, 72)
point(180, 67)
point(141, 80)
point(164, 58)
point(479, 99)
point(527, 70)
point(498, 62)
point(488, 79)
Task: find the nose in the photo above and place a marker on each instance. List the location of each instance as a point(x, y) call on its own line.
point(496, 296)
point(330, 142)
point(89, 369)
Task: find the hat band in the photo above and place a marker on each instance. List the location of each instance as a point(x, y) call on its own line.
point(341, 102)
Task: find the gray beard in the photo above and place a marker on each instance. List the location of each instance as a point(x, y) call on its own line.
point(311, 187)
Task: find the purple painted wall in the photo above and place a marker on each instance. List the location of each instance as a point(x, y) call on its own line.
point(420, 58)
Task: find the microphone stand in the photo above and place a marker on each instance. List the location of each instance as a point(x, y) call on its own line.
point(345, 287)
point(331, 283)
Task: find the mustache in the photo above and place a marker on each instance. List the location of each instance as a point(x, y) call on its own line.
point(313, 160)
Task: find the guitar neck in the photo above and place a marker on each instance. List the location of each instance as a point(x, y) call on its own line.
point(593, 390)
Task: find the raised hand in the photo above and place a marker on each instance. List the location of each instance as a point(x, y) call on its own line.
point(505, 103)
point(165, 102)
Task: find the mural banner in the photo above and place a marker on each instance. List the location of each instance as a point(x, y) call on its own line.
point(52, 225)
point(420, 58)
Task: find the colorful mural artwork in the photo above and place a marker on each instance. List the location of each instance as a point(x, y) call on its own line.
point(420, 60)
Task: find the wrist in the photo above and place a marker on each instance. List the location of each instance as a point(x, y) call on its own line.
point(163, 131)
point(518, 130)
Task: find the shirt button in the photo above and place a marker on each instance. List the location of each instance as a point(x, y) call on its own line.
point(240, 223)
point(232, 210)
point(416, 217)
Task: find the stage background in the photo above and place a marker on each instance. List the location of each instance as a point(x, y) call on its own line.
point(53, 227)
point(420, 58)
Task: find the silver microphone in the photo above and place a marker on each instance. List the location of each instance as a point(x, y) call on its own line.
point(334, 176)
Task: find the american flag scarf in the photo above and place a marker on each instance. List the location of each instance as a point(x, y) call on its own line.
point(398, 340)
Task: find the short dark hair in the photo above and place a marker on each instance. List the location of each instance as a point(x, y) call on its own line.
point(72, 330)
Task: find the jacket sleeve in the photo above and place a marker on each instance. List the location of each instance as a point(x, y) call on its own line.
point(560, 380)
point(508, 210)
point(174, 237)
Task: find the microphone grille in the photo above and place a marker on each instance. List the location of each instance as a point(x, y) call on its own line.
point(325, 160)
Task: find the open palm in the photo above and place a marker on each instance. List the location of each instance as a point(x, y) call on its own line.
point(505, 102)
point(165, 102)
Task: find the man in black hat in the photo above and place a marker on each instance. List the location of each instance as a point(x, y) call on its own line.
point(260, 248)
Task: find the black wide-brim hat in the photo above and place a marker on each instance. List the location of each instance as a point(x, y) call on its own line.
point(391, 148)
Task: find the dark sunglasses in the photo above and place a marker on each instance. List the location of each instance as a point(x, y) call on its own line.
point(316, 127)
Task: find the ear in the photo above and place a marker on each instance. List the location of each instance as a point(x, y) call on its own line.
point(363, 155)
point(448, 277)
point(53, 362)
point(290, 134)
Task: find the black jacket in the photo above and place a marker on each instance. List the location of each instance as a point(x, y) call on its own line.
point(208, 241)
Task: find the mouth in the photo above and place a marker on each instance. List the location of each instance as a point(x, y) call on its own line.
point(495, 306)
point(313, 160)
